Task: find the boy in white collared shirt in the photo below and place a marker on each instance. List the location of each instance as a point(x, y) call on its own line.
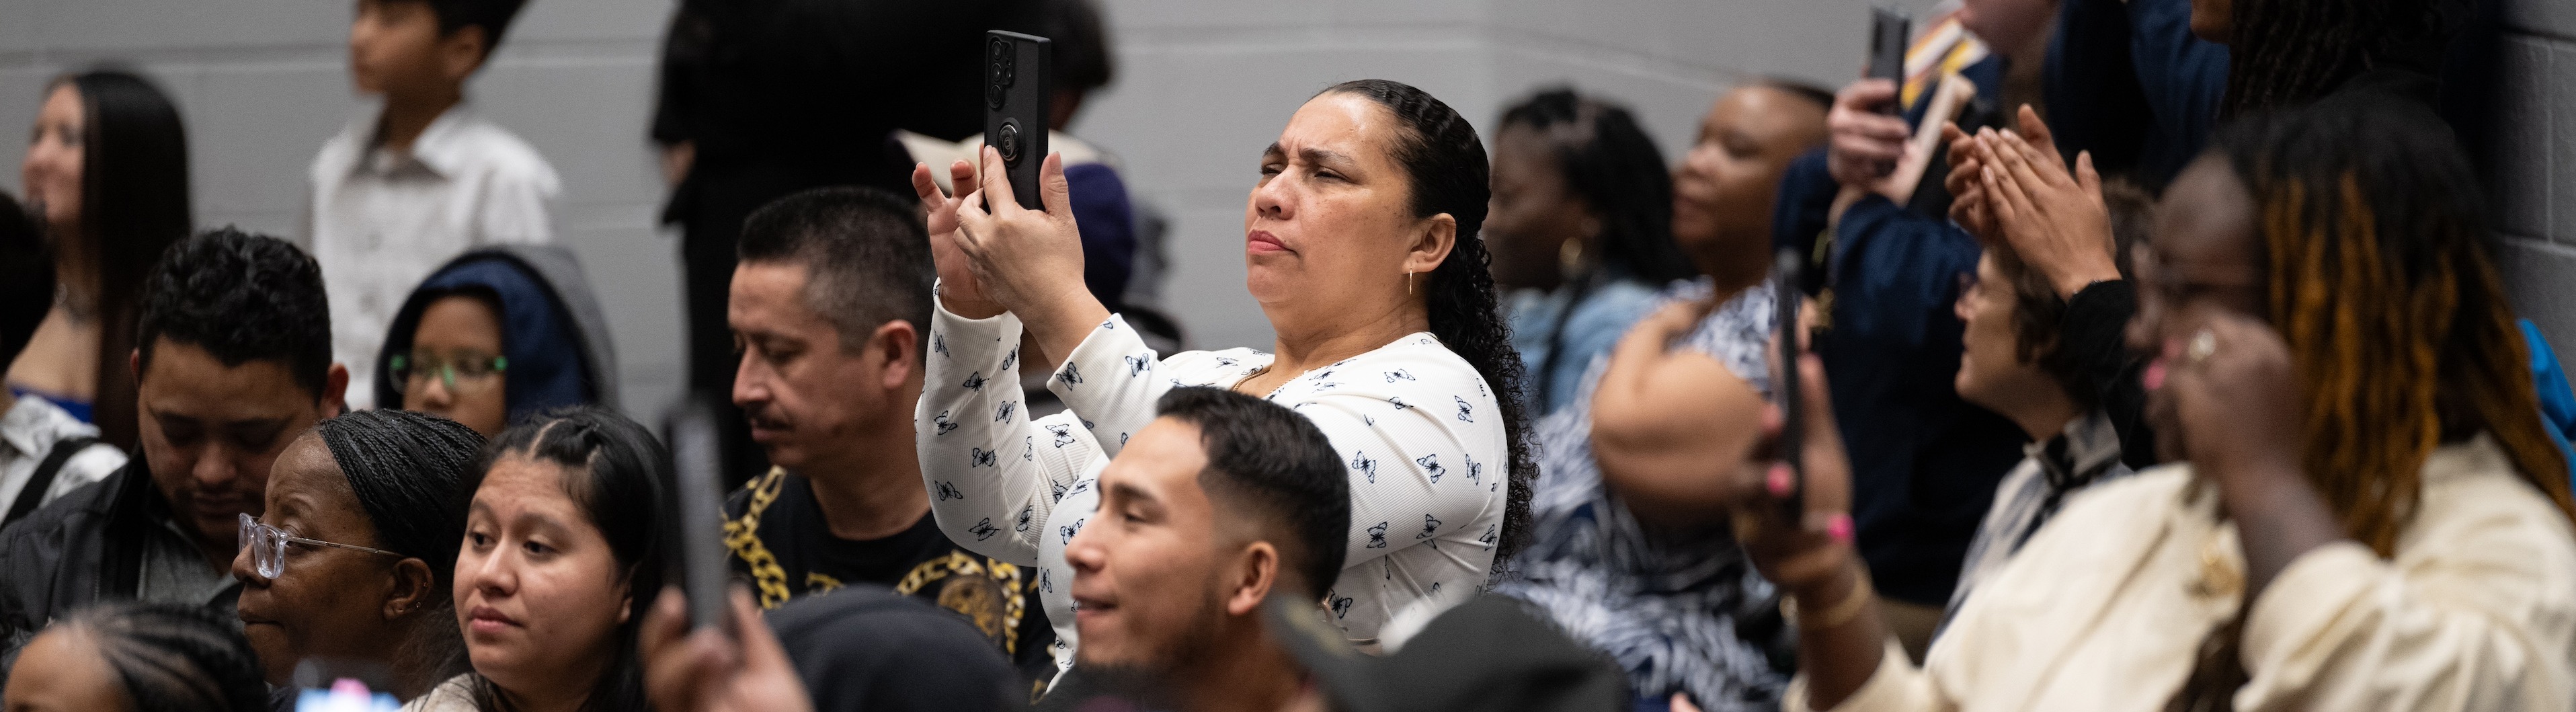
point(420, 177)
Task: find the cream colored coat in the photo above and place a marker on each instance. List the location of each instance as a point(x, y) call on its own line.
point(2106, 605)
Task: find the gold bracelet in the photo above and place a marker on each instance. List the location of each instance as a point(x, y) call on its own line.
point(1842, 612)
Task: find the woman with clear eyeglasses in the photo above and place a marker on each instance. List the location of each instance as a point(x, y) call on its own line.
point(496, 335)
point(352, 562)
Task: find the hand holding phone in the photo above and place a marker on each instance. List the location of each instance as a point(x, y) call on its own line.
point(1889, 30)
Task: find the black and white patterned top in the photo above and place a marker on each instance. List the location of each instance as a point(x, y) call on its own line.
point(1680, 611)
point(1419, 430)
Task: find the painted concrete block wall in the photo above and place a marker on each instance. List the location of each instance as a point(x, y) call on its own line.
point(2534, 187)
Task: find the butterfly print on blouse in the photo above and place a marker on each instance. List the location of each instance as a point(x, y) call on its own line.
point(984, 529)
point(974, 381)
point(948, 491)
point(1139, 364)
point(1341, 605)
point(942, 423)
point(1067, 531)
point(1026, 511)
point(1059, 489)
point(1466, 413)
point(1397, 402)
point(1430, 526)
point(1475, 471)
point(1002, 413)
point(1011, 359)
point(1492, 533)
point(1431, 466)
point(939, 343)
point(1063, 433)
point(1377, 536)
point(1398, 374)
point(979, 457)
point(1366, 465)
point(1222, 362)
point(1046, 583)
point(1029, 447)
point(1070, 376)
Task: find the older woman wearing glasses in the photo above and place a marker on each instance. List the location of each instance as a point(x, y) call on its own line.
point(353, 558)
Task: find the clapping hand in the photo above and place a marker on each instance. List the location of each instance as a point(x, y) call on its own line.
point(2011, 189)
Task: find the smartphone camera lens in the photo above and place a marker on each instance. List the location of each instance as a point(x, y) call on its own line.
point(1007, 141)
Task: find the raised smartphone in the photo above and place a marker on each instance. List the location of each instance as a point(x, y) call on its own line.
point(697, 461)
point(1017, 81)
point(1786, 267)
point(1889, 30)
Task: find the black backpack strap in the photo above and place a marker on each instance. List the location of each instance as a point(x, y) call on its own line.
point(34, 493)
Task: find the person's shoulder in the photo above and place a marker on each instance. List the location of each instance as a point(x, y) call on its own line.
point(504, 157)
point(1214, 364)
point(454, 695)
point(34, 543)
point(863, 621)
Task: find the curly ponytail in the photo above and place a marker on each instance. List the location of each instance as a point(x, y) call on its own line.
point(1445, 162)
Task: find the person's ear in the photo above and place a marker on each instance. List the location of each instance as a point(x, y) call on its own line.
point(335, 391)
point(897, 345)
point(414, 585)
point(134, 365)
point(1257, 572)
point(1431, 247)
point(461, 52)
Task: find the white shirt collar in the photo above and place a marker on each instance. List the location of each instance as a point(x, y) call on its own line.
point(440, 148)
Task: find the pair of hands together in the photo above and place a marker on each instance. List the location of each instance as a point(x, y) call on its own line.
point(994, 255)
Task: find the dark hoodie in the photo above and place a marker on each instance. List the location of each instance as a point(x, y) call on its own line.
point(551, 327)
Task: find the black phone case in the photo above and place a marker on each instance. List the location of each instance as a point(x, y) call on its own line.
point(1017, 75)
point(697, 461)
point(1786, 267)
point(1889, 31)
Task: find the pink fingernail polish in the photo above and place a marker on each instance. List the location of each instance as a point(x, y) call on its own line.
point(1778, 481)
point(1840, 528)
point(2153, 378)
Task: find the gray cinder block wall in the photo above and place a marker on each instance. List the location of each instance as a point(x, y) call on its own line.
point(1203, 85)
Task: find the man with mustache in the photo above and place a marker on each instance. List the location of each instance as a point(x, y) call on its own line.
point(829, 307)
point(234, 361)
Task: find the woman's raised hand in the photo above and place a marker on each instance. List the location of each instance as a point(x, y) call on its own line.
point(1027, 261)
point(958, 288)
point(2053, 219)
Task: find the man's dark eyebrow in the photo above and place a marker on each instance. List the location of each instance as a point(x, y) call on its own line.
point(1274, 151)
point(1132, 492)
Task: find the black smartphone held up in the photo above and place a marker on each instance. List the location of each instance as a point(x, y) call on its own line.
point(1017, 81)
point(697, 467)
point(1786, 266)
point(1889, 29)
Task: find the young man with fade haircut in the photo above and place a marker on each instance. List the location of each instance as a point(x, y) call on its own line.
point(233, 359)
point(1219, 504)
point(829, 309)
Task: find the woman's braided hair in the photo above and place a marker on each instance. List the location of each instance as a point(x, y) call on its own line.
point(175, 657)
point(1446, 165)
point(2397, 324)
point(403, 466)
point(2290, 52)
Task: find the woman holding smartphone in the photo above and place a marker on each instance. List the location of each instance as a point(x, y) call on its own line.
point(564, 552)
point(1360, 243)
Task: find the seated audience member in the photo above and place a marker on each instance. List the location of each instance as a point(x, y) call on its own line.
point(2371, 518)
point(44, 451)
point(564, 546)
point(1218, 504)
point(352, 559)
point(830, 300)
point(496, 335)
point(138, 658)
point(861, 649)
point(1629, 555)
point(235, 361)
point(2014, 362)
point(417, 176)
point(1886, 265)
point(1581, 232)
point(1361, 244)
point(106, 174)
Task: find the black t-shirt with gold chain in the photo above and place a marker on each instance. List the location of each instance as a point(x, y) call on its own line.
point(778, 540)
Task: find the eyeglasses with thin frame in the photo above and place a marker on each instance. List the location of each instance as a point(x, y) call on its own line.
point(469, 368)
point(267, 546)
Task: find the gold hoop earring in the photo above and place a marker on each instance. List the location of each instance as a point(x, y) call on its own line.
point(1408, 283)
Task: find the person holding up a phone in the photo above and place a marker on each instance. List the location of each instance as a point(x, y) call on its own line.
point(1360, 241)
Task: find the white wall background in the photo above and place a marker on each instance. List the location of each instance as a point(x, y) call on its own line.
point(1202, 85)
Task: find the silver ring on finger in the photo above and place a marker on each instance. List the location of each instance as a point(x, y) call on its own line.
point(2203, 345)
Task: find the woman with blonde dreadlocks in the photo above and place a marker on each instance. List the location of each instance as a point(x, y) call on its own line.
point(2370, 516)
